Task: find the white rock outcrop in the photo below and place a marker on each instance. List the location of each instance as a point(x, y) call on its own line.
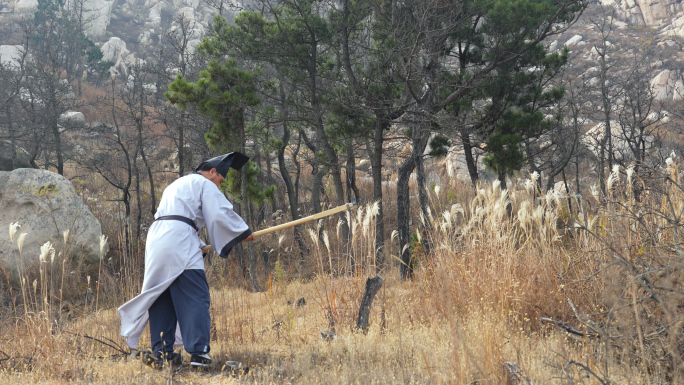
point(676, 29)
point(154, 16)
point(457, 167)
point(72, 119)
point(10, 55)
point(553, 46)
point(45, 204)
point(663, 85)
point(97, 14)
point(621, 148)
point(23, 6)
point(648, 12)
point(114, 50)
point(188, 13)
point(573, 40)
point(678, 90)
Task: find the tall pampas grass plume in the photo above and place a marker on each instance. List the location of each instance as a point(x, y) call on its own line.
point(13, 228)
point(46, 250)
point(103, 244)
point(20, 241)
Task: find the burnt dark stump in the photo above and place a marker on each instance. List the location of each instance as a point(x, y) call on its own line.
point(373, 285)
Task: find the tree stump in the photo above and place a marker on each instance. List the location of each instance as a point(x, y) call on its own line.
point(373, 285)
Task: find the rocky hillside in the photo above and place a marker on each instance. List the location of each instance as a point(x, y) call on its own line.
point(130, 29)
point(124, 28)
point(647, 28)
point(666, 14)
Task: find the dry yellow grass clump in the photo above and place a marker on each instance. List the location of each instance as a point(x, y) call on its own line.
point(282, 343)
point(504, 279)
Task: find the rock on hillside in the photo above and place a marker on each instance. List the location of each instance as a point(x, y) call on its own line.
point(629, 44)
point(97, 14)
point(45, 204)
point(648, 12)
point(10, 56)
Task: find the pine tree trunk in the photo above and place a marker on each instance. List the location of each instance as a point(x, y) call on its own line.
point(58, 147)
point(13, 140)
point(420, 140)
point(247, 215)
point(351, 174)
point(424, 204)
point(292, 194)
point(403, 217)
point(376, 169)
point(137, 196)
point(470, 160)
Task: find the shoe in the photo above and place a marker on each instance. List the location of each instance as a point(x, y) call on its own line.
point(200, 360)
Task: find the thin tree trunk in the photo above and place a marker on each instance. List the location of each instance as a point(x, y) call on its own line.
point(470, 160)
point(403, 217)
point(420, 140)
point(567, 190)
point(259, 212)
point(335, 172)
point(58, 147)
point(181, 145)
point(247, 215)
point(137, 195)
point(328, 150)
point(605, 99)
point(126, 188)
point(351, 174)
point(351, 187)
point(127, 221)
point(316, 187)
point(577, 175)
point(376, 169)
point(153, 194)
point(424, 204)
point(241, 260)
point(292, 194)
point(13, 140)
point(269, 178)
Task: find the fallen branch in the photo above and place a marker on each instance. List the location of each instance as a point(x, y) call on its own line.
point(112, 345)
point(568, 328)
point(589, 371)
point(9, 362)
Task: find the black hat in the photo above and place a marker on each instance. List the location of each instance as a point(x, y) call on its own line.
point(223, 162)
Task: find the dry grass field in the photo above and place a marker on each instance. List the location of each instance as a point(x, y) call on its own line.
point(568, 296)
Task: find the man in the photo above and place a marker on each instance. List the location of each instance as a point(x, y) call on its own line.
point(175, 293)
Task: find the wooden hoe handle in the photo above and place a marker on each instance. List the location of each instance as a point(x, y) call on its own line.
point(310, 218)
point(322, 214)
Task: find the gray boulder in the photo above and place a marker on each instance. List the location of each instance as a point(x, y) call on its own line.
point(45, 204)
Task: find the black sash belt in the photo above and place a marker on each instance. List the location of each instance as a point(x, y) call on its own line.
point(178, 218)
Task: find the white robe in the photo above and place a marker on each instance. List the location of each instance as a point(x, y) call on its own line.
point(174, 246)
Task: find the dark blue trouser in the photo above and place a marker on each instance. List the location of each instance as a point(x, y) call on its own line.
point(185, 302)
